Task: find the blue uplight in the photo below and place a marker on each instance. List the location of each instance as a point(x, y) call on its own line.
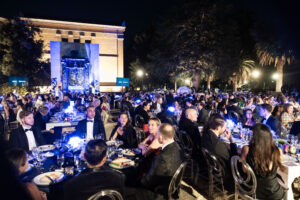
point(230, 124)
point(171, 109)
point(138, 101)
point(75, 142)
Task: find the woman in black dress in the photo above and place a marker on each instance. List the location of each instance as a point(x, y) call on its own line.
point(264, 157)
point(125, 132)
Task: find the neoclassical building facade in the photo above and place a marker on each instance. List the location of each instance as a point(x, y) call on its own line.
point(82, 54)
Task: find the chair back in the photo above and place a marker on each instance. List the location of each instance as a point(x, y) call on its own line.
point(107, 194)
point(214, 165)
point(174, 186)
point(184, 141)
point(245, 184)
point(234, 116)
point(140, 134)
point(13, 125)
point(139, 121)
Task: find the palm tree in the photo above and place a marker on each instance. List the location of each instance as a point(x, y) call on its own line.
point(242, 74)
point(274, 54)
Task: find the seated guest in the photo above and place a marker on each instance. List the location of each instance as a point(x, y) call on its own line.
point(96, 177)
point(41, 118)
point(215, 127)
point(249, 121)
point(164, 165)
point(26, 136)
point(265, 158)
point(234, 108)
point(125, 132)
point(250, 105)
point(287, 116)
point(18, 159)
point(151, 143)
point(143, 112)
point(91, 127)
point(274, 125)
point(277, 112)
point(190, 126)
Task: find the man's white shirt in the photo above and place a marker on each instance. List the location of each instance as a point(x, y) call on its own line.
point(89, 130)
point(30, 138)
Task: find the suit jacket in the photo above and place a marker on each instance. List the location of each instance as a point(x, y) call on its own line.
point(213, 144)
point(274, 125)
point(18, 138)
point(202, 117)
point(163, 168)
point(91, 181)
point(191, 128)
point(97, 130)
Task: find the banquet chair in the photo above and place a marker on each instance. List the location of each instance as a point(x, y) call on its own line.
point(234, 116)
point(106, 194)
point(174, 187)
point(186, 144)
point(245, 186)
point(138, 121)
point(215, 174)
point(140, 134)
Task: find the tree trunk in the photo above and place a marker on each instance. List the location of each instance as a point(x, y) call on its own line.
point(196, 80)
point(209, 79)
point(235, 84)
point(175, 85)
point(279, 81)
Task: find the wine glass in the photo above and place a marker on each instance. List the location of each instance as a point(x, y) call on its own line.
point(60, 160)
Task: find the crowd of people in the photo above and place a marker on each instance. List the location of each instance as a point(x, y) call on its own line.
point(161, 115)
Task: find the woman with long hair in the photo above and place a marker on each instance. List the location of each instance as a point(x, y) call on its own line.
point(125, 132)
point(265, 158)
point(287, 116)
point(249, 120)
point(151, 143)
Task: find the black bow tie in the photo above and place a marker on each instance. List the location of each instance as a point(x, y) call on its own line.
point(90, 121)
point(26, 130)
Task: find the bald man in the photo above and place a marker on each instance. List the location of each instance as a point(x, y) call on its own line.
point(165, 164)
point(190, 126)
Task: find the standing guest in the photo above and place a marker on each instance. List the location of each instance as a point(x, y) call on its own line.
point(249, 121)
point(269, 120)
point(143, 112)
point(91, 127)
point(203, 114)
point(215, 127)
point(125, 132)
point(157, 106)
point(151, 143)
point(164, 165)
point(26, 136)
point(250, 104)
point(265, 158)
point(96, 177)
point(18, 159)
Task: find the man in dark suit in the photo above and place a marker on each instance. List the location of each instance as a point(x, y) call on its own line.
point(26, 136)
point(274, 125)
point(164, 165)
point(216, 126)
point(41, 118)
point(96, 177)
point(234, 108)
point(91, 127)
point(190, 126)
point(203, 114)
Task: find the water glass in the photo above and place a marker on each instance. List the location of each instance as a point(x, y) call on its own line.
point(60, 160)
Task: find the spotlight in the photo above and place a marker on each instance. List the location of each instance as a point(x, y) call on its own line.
point(256, 74)
point(275, 76)
point(75, 142)
point(171, 109)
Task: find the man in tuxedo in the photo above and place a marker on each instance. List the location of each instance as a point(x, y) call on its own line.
point(26, 136)
point(274, 125)
point(96, 177)
point(203, 114)
point(91, 127)
point(164, 165)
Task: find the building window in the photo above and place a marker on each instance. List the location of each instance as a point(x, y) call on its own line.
point(81, 33)
point(70, 33)
point(88, 41)
point(58, 32)
point(64, 39)
point(93, 34)
point(76, 40)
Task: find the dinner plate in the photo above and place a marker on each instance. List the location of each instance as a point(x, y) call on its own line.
point(128, 152)
point(43, 180)
point(115, 163)
point(47, 147)
point(48, 154)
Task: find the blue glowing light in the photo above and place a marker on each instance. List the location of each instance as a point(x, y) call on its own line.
point(230, 124)
point(191, 98)
point(171, 109)
point(138, 101)
point(75, 142)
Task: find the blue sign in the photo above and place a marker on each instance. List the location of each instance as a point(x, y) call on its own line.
point(122, 81)
point(18, 81)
